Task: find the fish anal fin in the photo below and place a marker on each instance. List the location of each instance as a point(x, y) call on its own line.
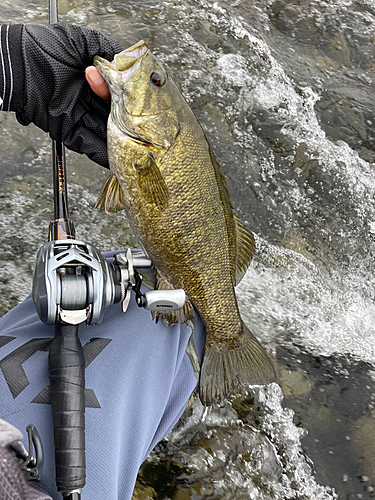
point(227, 366)
point(111, 198)
point(245, 247)
point(170, 318)
point(151, 182)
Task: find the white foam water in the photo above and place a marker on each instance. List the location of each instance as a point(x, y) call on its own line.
point(231, 457)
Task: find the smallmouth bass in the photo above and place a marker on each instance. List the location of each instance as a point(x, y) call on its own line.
point(167, 179)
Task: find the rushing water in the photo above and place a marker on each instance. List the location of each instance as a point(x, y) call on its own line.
point(285, 92)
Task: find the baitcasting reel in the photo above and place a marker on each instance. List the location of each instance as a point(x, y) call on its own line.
point(74, 283)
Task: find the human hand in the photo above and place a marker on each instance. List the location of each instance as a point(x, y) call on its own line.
point(97, 83)
point(56, 95)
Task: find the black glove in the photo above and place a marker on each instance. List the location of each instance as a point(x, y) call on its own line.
point(55, 94)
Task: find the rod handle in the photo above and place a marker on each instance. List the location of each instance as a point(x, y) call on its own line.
point(66, 366)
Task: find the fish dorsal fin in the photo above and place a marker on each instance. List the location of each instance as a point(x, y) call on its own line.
point(241, 240)
point(151, 182)
point(111, 198)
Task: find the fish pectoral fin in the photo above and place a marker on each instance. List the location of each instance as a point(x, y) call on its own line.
point(170, 318)
point(147, 280)
point(245, 248)
point(111, 198)
point(229, 364)
point(151, 182)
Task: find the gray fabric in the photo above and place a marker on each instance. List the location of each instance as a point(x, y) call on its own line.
point(12, 483)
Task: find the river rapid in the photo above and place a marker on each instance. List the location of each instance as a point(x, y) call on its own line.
point(284, 90)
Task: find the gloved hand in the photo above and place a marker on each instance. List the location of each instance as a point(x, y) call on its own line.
point(13, 485)
point(56, 96)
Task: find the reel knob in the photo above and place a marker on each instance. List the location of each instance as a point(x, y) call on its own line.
point(163, 300)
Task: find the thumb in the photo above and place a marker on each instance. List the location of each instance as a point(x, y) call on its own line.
point(97, 83)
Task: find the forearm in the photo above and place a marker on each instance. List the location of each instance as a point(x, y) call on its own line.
point(11, 68)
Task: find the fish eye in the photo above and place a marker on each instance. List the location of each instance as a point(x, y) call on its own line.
point(157, 79)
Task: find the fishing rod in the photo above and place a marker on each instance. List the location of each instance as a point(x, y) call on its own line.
point(61, 227)
point(66, 360)
point(72, 284)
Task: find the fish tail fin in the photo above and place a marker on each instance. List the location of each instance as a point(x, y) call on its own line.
point(226, 365)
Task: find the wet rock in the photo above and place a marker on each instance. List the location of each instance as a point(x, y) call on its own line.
point(339, 50)
point(301, 156)
point(334, 412)
point(363, 439)
point(294, 19)
point(294, 383)
point(284, 24)
point(292, 11)
point(66, 6)
point(142, 492)
point(342, 118)
point(182, 494)
point(305, 29)
point(328, 63)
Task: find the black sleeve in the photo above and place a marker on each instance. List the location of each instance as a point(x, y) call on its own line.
point(11, 68)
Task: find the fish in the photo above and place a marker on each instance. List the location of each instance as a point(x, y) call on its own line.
point(165, 176)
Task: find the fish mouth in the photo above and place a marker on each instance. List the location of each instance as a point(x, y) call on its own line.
point(126, 62)
point(128, 57)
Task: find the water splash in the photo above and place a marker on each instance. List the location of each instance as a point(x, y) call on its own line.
point(284, 298)
point(249, 448)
